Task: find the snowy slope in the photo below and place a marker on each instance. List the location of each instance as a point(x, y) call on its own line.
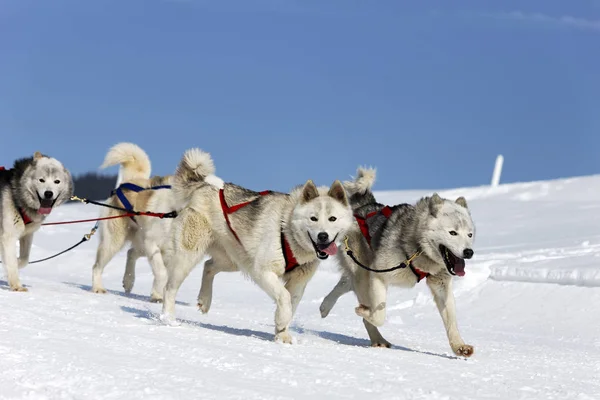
point(529, 304)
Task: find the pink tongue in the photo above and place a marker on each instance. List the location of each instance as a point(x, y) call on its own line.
point(459, 267)
point(331, 249)
point(45, 210)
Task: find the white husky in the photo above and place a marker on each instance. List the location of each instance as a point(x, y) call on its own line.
point(276, 239)
point(148, 235)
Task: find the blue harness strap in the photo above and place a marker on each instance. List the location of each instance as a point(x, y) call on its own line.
point(134, 188)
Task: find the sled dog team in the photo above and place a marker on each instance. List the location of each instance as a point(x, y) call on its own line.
point(276, 239)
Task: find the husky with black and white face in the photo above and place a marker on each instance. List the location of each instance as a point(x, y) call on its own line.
point(435, 234)
point(28, 193)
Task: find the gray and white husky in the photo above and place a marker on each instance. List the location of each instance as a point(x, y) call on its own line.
point(28, 193)
point(431, 238)
point(276, 239)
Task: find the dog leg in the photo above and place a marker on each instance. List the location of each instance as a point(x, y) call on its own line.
point(25, 244)
point(441, 288)
point(192, 235)
point(8, 252)
point(129, 276)
point(272, 285)
point(296, 283)
point(108, 247)
point(376, 339)
point(183, 264)
point(374, 311)
point(159, 271)
point(343, 286)
point(212, 267)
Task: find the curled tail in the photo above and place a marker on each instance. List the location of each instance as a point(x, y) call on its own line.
point(362, 183)
point(134, 161)
point(359, 189)
point(195, 168)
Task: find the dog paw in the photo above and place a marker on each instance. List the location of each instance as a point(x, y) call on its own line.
point(19, 289)
point(283, 337)
point(382, 343)
point(127, 286)
point(464, 350)
point(168, 320)
point(325, 309)
point(363, 311)
point(203, 306)
point(99, 290)
point(154, 299)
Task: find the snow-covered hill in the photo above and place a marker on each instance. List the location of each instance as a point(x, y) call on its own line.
point(530, 304)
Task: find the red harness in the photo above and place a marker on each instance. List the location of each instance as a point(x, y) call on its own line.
point(362, 222)
point(364, 228)
point(26, 219)
point(24, 216)
point(288, 255)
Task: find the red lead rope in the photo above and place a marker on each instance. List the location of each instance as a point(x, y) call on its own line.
point(78, 221)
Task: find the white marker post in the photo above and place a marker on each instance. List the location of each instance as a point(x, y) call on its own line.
point(497, 171)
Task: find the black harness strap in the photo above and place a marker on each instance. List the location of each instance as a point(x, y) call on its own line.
point(85, 238)
point(408, 263)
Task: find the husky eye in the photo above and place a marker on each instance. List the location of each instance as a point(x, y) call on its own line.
point(42, 180)
point(57, 181)
point(470, 235)
point(315, 219)
point(453, 233)
point(332, 219)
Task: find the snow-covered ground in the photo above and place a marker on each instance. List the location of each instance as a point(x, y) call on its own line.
point(530, 304)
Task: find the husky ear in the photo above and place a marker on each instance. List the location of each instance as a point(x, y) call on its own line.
point(338, 192)
point(461, 201)
point(37, 155)
point(309, 191)
point(434, 204)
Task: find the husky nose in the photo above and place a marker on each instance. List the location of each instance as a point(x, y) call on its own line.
point(48, 194)
point(323, 237)
point(468, 253)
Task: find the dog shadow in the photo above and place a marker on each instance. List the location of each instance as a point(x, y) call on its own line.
point(357, 342)
point(333, 337)
point(133, 296)
point(148, 315)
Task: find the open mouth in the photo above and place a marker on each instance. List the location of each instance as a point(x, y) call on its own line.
point(324, 250)
point(45, 205)
point(455, 265)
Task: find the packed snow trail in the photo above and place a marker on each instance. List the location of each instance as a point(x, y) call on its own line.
point(529, 304)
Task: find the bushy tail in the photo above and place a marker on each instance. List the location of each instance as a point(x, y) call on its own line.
point(134, 161)
point(359, 190)
point(362, 183)
point(196, 167)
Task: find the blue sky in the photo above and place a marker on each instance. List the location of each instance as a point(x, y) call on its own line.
point(280, 91)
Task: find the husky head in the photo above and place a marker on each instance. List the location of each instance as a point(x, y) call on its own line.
point(41, 183)
point(321, 218)
point(448, 232)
